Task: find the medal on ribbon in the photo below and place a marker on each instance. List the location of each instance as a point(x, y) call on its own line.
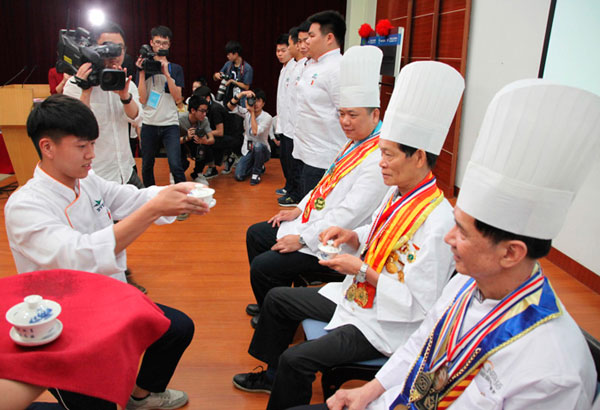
point(319, 203)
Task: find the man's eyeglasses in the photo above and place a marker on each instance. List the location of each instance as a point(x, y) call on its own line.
point(160, 43)
point(203, 111)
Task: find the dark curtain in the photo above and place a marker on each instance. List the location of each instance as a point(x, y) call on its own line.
point(200, 30)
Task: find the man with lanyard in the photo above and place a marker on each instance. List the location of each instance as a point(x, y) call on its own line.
point(318, 136)
point(404, 262)
point(286, 245)
point(499, 338)
point(160, 94)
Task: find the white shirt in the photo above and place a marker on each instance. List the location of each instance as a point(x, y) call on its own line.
point(399, 308)
point(113, 160)
point(319, 135)
point(263, 122)
point(52, 226)
point(283, 106)
point(289, 129)
point(548, 368)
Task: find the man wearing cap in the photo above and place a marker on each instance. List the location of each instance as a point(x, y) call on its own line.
point(499, 337)
point(403, 263)
point(286, 245)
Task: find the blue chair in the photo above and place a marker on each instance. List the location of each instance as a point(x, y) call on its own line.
point(333, 378)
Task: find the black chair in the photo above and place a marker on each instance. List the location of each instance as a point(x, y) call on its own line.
point(333, 378)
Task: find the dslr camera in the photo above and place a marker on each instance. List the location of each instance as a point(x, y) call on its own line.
point(149, 64)
point(200, 153)
point(222, 87)
point(75, 49)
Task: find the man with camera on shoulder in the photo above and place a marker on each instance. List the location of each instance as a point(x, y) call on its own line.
point(160, 92)
point(195, 136)
point(113, 110)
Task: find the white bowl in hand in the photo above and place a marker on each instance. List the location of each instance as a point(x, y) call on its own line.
point(328, 251)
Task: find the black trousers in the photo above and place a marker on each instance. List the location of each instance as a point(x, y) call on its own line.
point(282, 312)
point(309, 178)
point(270, 269)
point(158, 365)
point(291, 168)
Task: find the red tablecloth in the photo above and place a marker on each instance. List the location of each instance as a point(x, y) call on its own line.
point(5, 164)
point(107, 326)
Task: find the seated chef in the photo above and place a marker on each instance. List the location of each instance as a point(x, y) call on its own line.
point(499, 337)
point(403, 264)
point(63, 218)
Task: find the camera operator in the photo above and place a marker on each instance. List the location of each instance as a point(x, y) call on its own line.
point(195, 136)
point(223, 126)
point(257, 124)
point(240, 73)
point(159, 94)
point(114, 110)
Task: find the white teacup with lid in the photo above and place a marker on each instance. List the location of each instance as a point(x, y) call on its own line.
point(34, 318)
point(328, 251)
point(204, 193)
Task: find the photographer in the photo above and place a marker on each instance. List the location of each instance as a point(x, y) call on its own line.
point(114, 110)
point(257, 124)
point(159, 94)
point(240, 73)
point(195, 136)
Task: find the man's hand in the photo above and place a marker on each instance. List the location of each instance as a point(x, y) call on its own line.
point(165, 68)
point(174, 200)
point(287, 215)
point(355, 399)
point(287, 244)
point(191, 133)
point(84, 71)
point(346, 264)
point(339, 236)
point(217, 76)
point(124, 93)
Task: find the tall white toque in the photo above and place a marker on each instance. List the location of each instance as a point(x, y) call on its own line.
point(537, 142)
point(359, 77)
point(423, 104)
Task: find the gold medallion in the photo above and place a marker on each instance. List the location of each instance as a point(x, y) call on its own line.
point(351, 292)
point(429, 402)
point(421, 386)
point(319, 203)
point(440, 379)
point(401, 276)
point(411, 257)
point(401, 407)
point(391, 267)
point(362, 296)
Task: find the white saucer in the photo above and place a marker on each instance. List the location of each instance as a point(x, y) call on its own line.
point(51, 336)
point(212, 203)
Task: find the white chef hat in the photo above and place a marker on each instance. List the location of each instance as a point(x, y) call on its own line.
point(537, 142)
point(423, 104)
point(359, 77)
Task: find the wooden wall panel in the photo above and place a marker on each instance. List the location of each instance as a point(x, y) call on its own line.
point(433, 30)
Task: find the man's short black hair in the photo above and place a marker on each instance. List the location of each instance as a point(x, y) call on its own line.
point(200, 79)
point(195, 102)
point(294, 34)
point(233, 47)
point(283, 39)
point(330, 21)
point(58, 116)
point(409, 151)
point(107, 27)
point(304, 27)
point(161, 31)
point(260, 94)
point(202, 91)
point(536, 248)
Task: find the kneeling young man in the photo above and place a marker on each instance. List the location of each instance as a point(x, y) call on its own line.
point(499, 337)
point(62, 218)
point(403, 264)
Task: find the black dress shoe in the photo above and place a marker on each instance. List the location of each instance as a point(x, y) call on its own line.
point(254, 321)
point(252, 309)
point(256, 382)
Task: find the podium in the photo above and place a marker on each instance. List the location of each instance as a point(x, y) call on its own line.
point(16, 102)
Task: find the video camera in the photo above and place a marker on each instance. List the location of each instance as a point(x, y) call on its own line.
point(149, 64)
point(75, 49)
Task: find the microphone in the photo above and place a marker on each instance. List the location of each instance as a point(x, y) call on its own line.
point(29, 75)
point(15, 76)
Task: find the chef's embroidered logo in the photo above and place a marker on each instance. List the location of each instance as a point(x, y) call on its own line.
point(98, 205)
point(314, 78)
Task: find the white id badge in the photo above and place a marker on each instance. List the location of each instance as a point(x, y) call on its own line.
point(153, 99)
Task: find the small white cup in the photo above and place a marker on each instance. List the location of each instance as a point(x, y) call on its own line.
point(33, 318)
point(328, 251)
point(203, 192)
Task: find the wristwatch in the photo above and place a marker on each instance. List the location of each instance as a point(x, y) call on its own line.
point(127, 101)
point(361, 276)
point(301, 241)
